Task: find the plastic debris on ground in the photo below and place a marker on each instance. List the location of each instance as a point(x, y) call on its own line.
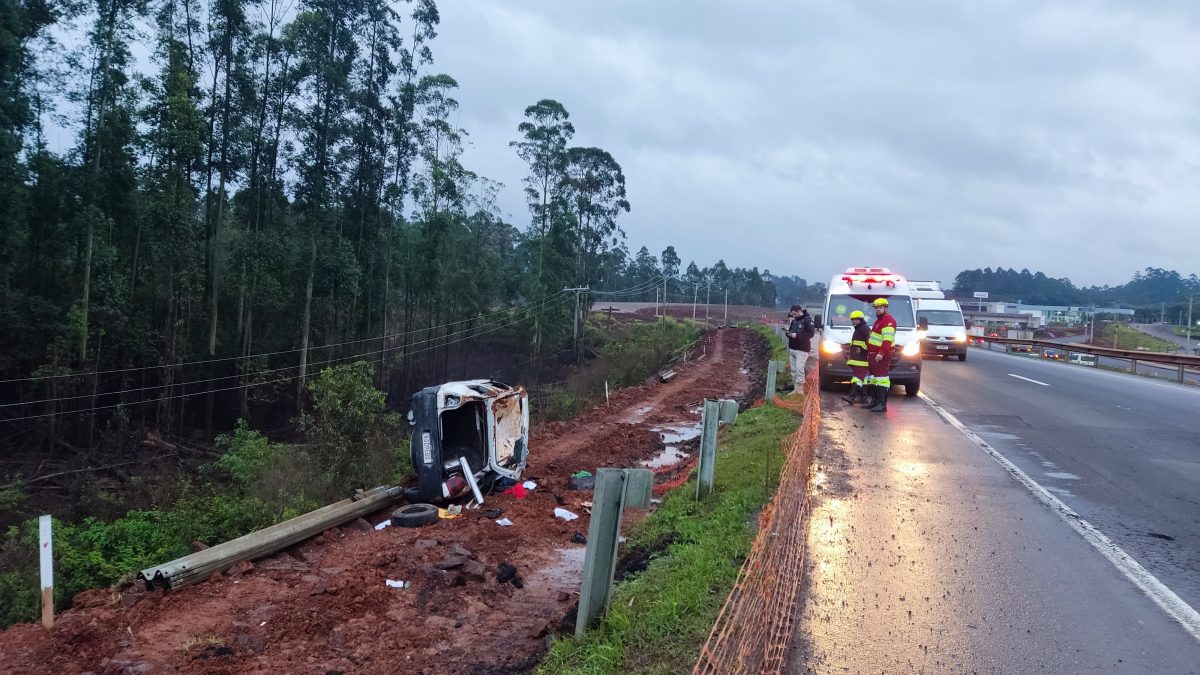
point(581, 480)
point(529, 485)
point(386, 523)
point(565, 514)
point(447, 515)
point(504, 522)
point(392, 583)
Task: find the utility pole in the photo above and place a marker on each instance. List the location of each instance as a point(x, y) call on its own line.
point(707, 302)
point(656, 301)
point(1189, 328)
point(695, 291)
point(576, 329)
point(726, 324)
point(1163, 316)
point(665, 278)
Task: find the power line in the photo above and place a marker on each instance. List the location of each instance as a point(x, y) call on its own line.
point(249, 385)
point(527, 310)
point(134, 369)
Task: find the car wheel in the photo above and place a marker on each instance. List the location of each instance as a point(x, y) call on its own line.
point(415, 515)
point(826, 383)
point(962, 356)
point(912, 388)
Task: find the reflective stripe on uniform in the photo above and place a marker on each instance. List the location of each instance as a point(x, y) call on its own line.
point(855, 362)
point(889, 334)
point(855, 380)
point(885, 381)
point(859, 343)
point(876, 340)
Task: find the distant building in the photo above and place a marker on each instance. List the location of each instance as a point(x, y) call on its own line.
point(1035, 316)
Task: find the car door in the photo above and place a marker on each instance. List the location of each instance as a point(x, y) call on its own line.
point(508, 433)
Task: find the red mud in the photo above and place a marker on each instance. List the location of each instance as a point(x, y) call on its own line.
point(324, 607)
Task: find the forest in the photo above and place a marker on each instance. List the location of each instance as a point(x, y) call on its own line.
point(1154, 293)
point(256, 190)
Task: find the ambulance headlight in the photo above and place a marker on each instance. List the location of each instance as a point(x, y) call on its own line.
point(830, 347)
point(912, 349)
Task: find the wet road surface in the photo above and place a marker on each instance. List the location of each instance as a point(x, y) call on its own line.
point(1122, 451)
point(926, 556)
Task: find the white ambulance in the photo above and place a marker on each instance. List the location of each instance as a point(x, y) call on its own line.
point(856, 290)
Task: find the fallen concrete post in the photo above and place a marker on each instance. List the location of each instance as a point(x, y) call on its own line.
point(198, 566)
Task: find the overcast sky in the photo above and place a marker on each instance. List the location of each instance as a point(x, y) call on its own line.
point(805, 137)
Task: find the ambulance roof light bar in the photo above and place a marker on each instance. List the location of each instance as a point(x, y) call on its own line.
point(870, 276)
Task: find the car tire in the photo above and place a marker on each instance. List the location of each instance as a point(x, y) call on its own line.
point(415, 515)
point(912, 388)
point(962, 356)
point(826, 383)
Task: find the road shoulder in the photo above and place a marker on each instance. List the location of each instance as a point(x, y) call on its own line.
point(926, 556)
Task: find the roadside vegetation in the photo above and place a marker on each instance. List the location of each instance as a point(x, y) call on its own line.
point(1120, 336)
point(253, 483)
point(661, 617)
point(625, 353)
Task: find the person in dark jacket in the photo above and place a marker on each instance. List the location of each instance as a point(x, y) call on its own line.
point(856, 358)
point(800, 333)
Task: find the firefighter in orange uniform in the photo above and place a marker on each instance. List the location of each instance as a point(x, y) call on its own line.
point(879, 356)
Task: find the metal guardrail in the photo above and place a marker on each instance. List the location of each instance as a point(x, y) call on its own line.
point(198, 566)
point(1180, 361)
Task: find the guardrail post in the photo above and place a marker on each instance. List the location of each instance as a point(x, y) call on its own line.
point(1180, 380)
point(1133, 366)
point(46, 555)
point(615, 489)
point(708, 448)
point(771, 373)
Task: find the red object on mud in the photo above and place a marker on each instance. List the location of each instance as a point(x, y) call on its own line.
point(517, 491)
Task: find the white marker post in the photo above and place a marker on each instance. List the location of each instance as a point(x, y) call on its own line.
point(46, 551)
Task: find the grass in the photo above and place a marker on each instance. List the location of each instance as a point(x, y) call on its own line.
point(1123, 337)
point(661, 617)
point(1182, 331)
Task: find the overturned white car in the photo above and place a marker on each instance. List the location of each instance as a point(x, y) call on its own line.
point(465, 436)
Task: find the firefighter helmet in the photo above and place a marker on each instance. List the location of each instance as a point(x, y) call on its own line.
point(857, 314)
point(880, 302)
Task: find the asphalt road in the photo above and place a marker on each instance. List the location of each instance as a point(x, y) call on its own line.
point(1121, 450)
point(1169, 373)
point(1165, 332)
point(926, 556)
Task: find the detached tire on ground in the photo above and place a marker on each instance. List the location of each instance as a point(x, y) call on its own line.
point(415, 515)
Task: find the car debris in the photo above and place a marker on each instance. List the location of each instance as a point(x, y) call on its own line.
point(415, 515)
point(466, 436)
point(582, 480)
point(564, 514)
point(392, 583)
point(504, 522)
point(507, 574)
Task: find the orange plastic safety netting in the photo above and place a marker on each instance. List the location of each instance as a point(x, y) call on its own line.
point(753, 632)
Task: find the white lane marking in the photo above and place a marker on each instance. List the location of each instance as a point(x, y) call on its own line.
point(1157, 591)
point(1021, 377)
point(1127, 377)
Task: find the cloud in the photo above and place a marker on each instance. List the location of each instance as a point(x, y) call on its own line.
point(804, 137)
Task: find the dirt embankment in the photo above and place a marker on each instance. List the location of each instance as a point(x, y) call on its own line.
point(324, 605)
